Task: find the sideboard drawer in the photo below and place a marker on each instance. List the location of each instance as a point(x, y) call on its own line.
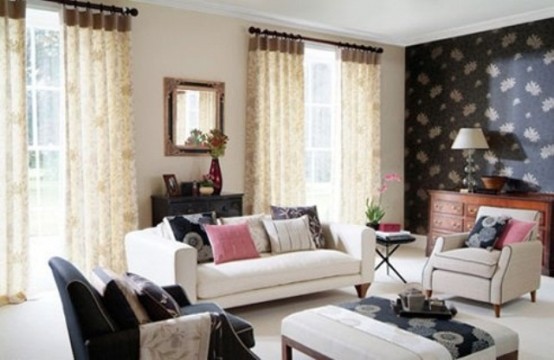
point(448, 223)
point(188, 208)
point(448, 207)
point(471, 209)
point(224, 205)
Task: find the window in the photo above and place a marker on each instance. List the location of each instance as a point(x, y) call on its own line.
point(45, 142)
point(322, 128)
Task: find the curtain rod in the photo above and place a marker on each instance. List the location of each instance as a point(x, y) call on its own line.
point(101, 7)
point(255, 30)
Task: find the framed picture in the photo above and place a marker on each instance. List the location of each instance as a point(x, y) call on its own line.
point(171, 185)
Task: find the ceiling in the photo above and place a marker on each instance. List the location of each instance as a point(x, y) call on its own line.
point(395, 22)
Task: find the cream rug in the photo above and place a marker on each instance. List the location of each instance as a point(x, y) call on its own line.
point(37, 330)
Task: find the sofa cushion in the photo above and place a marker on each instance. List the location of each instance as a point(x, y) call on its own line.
point(231, 242)
point(486, 231)
point(189, 229)
point(272, 270)
point(158, 303)
point(474, 261)
point(516, 231)
point(119, 297)
point(256, 227)
point(281, 212)
point(289, 235)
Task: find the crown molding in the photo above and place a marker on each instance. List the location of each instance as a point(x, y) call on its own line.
point(478, 27)
point(403, 41)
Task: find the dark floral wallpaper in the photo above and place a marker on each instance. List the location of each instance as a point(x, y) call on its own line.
point(501, 81)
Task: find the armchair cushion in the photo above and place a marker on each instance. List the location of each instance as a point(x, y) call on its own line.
point(486, 231)
point(119, 297)
point(516, 231)
point(473, 261)
point(158, 303)
point(231, 242)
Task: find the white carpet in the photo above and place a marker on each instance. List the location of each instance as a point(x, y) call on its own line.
point(36, 329)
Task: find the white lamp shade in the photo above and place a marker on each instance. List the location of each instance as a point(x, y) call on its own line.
point(470, 138)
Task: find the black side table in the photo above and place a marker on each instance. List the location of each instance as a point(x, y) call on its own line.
point(393, 241)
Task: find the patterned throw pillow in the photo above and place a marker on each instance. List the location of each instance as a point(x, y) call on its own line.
point(119, 297)
point(158, 303)
point(279, 212)
point(231, 242)
point(189, 229)
point(289, 235)
point(486, 231)
point(256, 227)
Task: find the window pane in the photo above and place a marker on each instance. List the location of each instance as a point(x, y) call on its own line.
point(309, 167)
point(322, 164)
point(321, 83)
point(321, 127)
point(48, 103)
point(30, 128)
point(48, 57)
point(29, 54)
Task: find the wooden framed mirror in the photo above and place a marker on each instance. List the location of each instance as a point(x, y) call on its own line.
point(189, 106)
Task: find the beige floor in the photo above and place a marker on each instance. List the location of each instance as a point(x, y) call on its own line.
point(36, 329)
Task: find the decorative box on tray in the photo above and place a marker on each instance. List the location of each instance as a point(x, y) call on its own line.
point(412, 303)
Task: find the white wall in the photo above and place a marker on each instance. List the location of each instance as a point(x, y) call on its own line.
point(169, 42)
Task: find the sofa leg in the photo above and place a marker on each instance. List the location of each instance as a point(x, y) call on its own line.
point(361, 289)
point(428, 293)
point(496, 310)
point(533, 295)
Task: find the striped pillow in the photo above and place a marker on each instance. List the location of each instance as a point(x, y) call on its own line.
point(289, 235)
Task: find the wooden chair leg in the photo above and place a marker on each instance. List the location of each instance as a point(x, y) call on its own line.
point(361, 289)
point(533, 295)
point(428, 293)
point(496, 310)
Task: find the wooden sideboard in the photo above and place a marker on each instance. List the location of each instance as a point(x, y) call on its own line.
point(451, 212)
point(225, 205)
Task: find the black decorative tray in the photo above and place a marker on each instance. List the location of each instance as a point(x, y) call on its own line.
point(434, 309)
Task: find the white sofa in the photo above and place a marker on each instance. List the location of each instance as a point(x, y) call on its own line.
point(347, 260)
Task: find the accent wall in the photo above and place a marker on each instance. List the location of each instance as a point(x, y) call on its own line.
point(501, 81)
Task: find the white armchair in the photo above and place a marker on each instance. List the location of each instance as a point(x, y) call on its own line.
point(496, 276)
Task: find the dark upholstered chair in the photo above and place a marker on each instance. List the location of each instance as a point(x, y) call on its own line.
point(94, 334)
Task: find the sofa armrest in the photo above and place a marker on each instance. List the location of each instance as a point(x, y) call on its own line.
point(519, 271)
point(163, 261)
point(355, 240)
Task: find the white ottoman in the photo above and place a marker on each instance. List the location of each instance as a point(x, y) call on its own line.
point(331, 332)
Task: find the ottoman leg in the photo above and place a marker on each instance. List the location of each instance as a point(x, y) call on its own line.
point(533, 295)
point(496, 309)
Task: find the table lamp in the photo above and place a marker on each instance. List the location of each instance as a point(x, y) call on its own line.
point(470, 139)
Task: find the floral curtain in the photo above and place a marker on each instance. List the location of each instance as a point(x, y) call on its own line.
point(361, 131)
point(101, 182)
point(274, 124)
point(14, 227)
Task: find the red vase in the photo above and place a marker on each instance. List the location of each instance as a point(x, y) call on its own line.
point(215, 174)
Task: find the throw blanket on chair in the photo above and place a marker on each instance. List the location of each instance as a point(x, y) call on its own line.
point(186, 337)
point(460, 339)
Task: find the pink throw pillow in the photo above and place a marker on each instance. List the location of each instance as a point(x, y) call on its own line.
point(515, 231)
point(231, 242)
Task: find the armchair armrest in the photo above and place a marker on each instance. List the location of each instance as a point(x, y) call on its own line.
point(355, 240)
point(450, 242)
point(165, 262)
point(119, 345)
point(177, 293)
point(519, 271)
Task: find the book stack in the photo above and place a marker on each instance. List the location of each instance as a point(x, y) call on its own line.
point(395, 236)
